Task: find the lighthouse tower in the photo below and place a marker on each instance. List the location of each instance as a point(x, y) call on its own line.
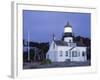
point(68, 35)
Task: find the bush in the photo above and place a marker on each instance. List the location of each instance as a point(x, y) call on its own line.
point(47, 61)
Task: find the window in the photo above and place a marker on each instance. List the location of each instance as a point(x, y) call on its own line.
point(61, 53)
point(54, 45)
point(83, 53)
point(66, 53)
point(78, 53)
point(69, 40)
point(74, 54)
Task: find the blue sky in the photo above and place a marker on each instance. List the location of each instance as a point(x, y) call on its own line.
point(43, 24)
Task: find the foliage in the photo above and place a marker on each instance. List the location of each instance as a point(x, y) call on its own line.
point(44, 47)
point(47, 61)
point(25, 59)
point(42, 50)
point(32, 54)
point(87, 43)
point(84, 40)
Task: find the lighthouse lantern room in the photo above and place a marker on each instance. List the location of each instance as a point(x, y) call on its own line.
point(67, 36)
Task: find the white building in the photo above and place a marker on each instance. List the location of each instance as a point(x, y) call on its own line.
point(66, 49)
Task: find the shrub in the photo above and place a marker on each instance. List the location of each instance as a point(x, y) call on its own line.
point(47, 61)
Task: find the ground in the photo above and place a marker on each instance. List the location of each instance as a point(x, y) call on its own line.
point(37, 65)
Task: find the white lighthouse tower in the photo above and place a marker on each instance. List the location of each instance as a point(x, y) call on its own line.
point(68, 35)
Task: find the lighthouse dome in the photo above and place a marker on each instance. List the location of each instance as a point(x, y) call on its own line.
point(68, 28)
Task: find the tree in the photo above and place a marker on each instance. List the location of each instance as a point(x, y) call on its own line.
point(32, 54)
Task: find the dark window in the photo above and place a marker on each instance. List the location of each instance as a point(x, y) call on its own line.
point(54, 45)
point(72, 53)
point(75, 53)
point(66, 53)
point(83, 53)
point(69, 40)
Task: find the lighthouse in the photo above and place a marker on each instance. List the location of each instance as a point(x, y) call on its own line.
point(68, 34)
point(66, 49)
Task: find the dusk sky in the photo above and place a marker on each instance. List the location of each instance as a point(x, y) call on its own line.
point(43, 24)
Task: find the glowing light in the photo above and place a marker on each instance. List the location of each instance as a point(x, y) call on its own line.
point(68, 29)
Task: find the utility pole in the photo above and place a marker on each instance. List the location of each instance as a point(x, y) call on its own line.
point(28, 46)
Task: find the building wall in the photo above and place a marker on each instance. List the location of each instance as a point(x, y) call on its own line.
point(58, 53)
point(79, 56)
point(52, 52)
point(52, 56)
point(63, 57)
point(68, 39)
